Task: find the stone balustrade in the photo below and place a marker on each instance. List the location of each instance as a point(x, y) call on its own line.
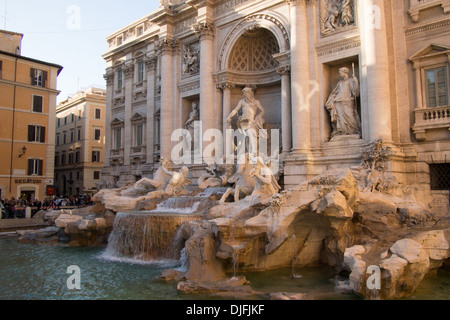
point(430, 118)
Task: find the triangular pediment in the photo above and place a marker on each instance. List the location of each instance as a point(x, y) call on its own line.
point(117, 121)
point(430, 50)
point(138, 117)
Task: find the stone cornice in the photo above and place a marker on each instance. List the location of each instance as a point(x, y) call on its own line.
point(427, 27)
point(340, 45)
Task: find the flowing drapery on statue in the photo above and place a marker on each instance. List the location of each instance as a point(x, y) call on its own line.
point(250, 121)
point(342, 106)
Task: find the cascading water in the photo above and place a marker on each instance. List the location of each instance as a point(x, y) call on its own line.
point(152, 235)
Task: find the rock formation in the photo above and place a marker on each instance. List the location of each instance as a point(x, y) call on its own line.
point(332, 219)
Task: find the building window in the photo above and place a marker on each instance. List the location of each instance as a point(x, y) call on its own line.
point(96, 175)
point(58, 121)
point(71, 158)
point(79, 134)
point(35, 167)
point(38, 77)
point(72, 135)
point(64, 137)
point(440, 176)
point(36, 134)
point(77, 157)
point(96, 156)
point(117, 138)
point(1, 68)
point(38, 103)
point(98, 134)
point(138, 135)
point(56, 160)
point(140, 72)
point(98, 113)
point(437, 88)
point(119, 79)
point(63, 159)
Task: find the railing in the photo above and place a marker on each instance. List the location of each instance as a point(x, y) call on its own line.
point(418, 5)
point(431, 118)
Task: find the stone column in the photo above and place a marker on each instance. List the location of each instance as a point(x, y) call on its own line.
point(300, 81)
point(286, 133)
point(226, 87)
point(109, 77)
point(375, 69)
point(166, 50)
point(205, 32)
point(128, 130)
point(150, 66)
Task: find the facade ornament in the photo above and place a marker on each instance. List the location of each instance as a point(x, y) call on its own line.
point(204, 30)
point(342, 105)
point(284, 70)
point(150, 62)
point(337, 15)
point(129, 71)
point(191, 60)
point(109, 76)
point(167, 46)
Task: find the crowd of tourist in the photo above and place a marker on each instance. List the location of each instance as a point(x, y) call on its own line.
point(15, 208)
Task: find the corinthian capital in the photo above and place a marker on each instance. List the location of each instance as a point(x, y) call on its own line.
point(167, 46)
point(204, 30)
point(299, 2)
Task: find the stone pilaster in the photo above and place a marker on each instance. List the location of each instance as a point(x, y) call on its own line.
point(150, 68)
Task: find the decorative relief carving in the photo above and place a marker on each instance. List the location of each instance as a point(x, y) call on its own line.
point(226, 6)
point(150, 62)
point(337, 15)
point(109, 77)
point(191, 60)
point(129, 71)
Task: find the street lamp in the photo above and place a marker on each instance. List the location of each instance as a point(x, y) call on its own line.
point(24, 150)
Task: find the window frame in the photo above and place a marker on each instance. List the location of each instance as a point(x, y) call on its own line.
point(426, 70)
point(33, 103)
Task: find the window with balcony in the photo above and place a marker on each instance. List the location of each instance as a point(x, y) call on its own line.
point(432, 78)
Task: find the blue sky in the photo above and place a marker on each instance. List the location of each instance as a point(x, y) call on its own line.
point(71, 33)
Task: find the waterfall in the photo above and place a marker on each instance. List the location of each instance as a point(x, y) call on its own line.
point(147, 236)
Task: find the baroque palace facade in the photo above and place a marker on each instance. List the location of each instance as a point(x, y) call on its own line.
point(299, 56)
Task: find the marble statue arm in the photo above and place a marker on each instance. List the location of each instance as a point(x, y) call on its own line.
point(234, 112)
point(167, 171)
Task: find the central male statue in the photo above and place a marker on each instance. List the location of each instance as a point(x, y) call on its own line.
point(249, 122)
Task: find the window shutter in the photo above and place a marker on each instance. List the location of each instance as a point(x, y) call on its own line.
point(31, 133)
point(40, 167)
point(1, 65)
point(42, 138)
point(38, 104)
point(45, 78)
point(30, 166)
point(33, 76)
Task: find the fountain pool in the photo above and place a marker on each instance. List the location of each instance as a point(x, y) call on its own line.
point(37, 272)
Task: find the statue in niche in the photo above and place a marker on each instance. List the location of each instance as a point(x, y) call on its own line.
point(337, 14)
point(191, 63)
point(250, 120)
point(145, 185)
point(189, 125)
point(343, 107)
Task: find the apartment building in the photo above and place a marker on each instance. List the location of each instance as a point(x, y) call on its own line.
point(80, 142)
point(28, 91)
